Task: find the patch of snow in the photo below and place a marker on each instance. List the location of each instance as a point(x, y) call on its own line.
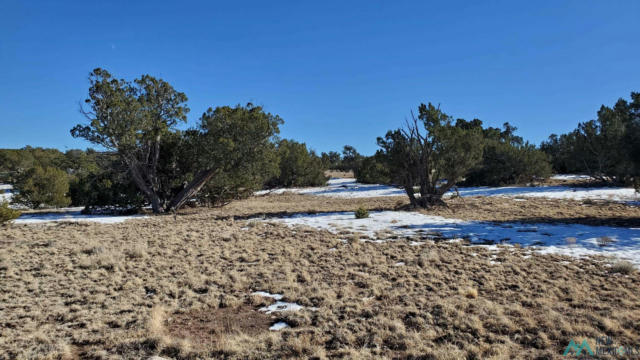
point(280, 306)
point(399, 263)
point(342, 188)
point(279, 326)
point(72, 215)
point(349, 188)
point(5, 192)
point(546, 238)
point(555, 192)
point(269, 295)
point(570, 177)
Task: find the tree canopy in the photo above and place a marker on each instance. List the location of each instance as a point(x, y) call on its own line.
point(137, 120)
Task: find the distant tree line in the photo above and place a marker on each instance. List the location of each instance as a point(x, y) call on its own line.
point(606, 148)
point(234, 150)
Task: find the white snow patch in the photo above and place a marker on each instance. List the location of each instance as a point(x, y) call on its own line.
point(72, 215)
point(280, 306)
point(269, 295)
point(547, 238)
point(279, 326)
point(399, 263)
point(5, 192)
point(570, 177)
point(349, 188)
point(341, 188)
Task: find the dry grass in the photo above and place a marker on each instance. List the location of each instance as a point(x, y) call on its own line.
point(339, 174)
point(623, 267)
point(182, 289)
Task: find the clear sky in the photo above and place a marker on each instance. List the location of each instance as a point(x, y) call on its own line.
point(338, 72)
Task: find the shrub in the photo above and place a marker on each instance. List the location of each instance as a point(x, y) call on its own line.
point(42, 186)
point(297, 166)
point(7, 214)
point(373, 170)
point(623, 267)
point(362, 213)
point(506, 159)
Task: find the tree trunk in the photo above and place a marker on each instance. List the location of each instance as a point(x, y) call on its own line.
point(149, 192)
point(411, 195)
point(191, 189)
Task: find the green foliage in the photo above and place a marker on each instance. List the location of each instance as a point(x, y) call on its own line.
point(351, 159)
point(431, 153)
point(7, 214)
point(607, 148)
point(105, 186)
point(13, 162)
point(137, 120)
point(131, 118)
point(297, 166)
point(506, 159)
point(238, 143)
point(361, 213)
point(42, 186)
point(331, 160)
point(373, 170)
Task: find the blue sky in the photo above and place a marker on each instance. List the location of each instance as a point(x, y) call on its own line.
point(338, 72)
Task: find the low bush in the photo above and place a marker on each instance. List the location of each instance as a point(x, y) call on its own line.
point(7, 214)
point(297, 166)
point(362, 213)
point(373, 170)
point(42, 186)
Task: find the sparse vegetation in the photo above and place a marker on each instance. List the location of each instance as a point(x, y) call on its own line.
point(623, 267)
point(361, 213)
point(76, 289)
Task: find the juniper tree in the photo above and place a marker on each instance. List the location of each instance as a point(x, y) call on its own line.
point(431, 153)
point(134, 119)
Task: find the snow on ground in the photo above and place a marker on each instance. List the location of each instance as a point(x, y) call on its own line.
point(5, 192)
point(280, 306)
point(342, 188)
point(71, 215)
point(349, 188)
point(547, 238)
point(279, 326)
point(570, 177)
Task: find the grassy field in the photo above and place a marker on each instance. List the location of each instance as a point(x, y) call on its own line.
point(181, 287)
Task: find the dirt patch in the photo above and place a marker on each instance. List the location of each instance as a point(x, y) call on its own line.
point(205, 327)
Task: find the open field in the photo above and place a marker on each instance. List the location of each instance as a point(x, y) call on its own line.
point(184, 287)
